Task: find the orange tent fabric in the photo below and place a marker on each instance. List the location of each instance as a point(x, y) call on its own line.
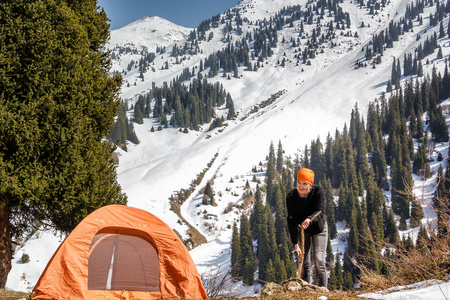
point(120, 252)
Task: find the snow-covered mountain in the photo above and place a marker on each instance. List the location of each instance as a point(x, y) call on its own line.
point(312, 100)
point(149, 32)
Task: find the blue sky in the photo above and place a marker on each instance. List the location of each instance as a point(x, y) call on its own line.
point(187, 13)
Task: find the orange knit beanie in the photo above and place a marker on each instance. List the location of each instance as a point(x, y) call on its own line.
point(306, 175)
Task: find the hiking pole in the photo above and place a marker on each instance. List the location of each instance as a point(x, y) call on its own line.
point(302, 249)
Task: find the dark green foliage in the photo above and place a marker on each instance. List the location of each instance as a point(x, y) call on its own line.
point(389, 226)
point(57, 103)
point(123, 129)
point(338, 271)
point(416, 214)
point(440, 204)
point(51, 128)
point(420, 164)
point(331, 218)
point(191, 106)
point(317, 163)
point(208, 197)
point(279, 164)
point(236, 254)
point(271, 175)
point(281, 215)
point(248, 261)
point(422, 238)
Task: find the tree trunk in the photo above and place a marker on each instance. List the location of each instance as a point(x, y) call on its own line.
point(5, 244)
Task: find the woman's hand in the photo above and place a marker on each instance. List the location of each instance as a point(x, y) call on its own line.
point(306, 223)
point(297, 250)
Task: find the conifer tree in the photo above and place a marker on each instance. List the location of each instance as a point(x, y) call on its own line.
point(342, 207)
point(263, 252)
point(236, 254)
point(286, 257)
point(330, 208)
point(257, 216)
point(416, 213)
point(349, 270)
point(279, 157)
point(329, 255)
point(280, 216)
point(440, 203)
point(316, 160)
point(390, 227)
point(328, 157)
point(248, 260)
point(57, 103)
point(361, 163)
point(138, 116)
point(332, 280)
point(209, 199)
point(422, 238)
point(270, 272)
point(271, 175)
point(353, 240)
point(338, 271)
point(374, 198)
point(438, 125)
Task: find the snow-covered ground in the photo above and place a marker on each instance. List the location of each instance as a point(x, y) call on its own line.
point(316, 100)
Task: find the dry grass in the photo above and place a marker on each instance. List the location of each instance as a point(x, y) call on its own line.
point(304, 295)
point(407, 266)
point(11, 295)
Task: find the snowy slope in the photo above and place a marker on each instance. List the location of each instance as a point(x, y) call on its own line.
point(148, 32)
point(316, 100)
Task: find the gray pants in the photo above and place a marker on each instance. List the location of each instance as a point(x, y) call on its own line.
point(319, 243)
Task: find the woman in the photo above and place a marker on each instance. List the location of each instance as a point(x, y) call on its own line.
point(306, 208)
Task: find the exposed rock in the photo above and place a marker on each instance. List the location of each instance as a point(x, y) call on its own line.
point(272, 288)
point(291, 285)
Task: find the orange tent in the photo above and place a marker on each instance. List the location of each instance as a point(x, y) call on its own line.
point(120, 252)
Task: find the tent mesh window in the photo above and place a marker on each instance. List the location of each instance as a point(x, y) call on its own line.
point(123, 260)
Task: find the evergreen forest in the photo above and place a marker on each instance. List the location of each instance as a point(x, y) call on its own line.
point(352, 167)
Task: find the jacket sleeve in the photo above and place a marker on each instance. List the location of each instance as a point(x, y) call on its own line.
point(319, 203)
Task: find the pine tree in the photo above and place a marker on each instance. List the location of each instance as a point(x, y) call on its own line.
point(390, 227)
point(316, 160)
point(361, 163)
point(263, 252)
point(329, 255)
point(280, 216)
point(330, 208)
point(440, 204)
point(353, 240)
point(422, 238)
point(338, 271)
point(236, 254)
point(248, 260)
point(286, 257)
point(348, 270)
point(416, 214)
point(328, 157)
point(333, 283)
point(279, 157)
point(138, 116)
point(257, 216)
point(271, 175)
point(54, 164)
point(208, 197)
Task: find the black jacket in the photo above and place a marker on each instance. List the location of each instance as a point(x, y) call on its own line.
point(313, 205)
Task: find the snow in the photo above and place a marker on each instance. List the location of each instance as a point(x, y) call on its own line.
point(316, 100)
point(425, 290)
